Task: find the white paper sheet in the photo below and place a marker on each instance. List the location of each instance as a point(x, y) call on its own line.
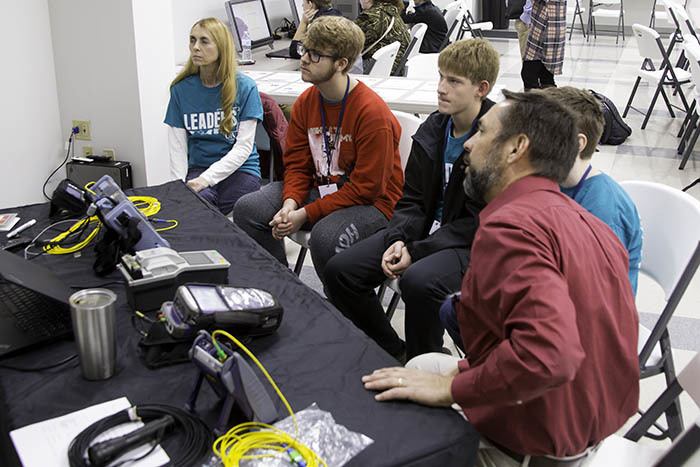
point(256, 75)
point(45, 444)
point(399, 83)
point(284, 76)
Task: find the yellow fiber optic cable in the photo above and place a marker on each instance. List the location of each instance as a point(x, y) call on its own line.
point(233, 446)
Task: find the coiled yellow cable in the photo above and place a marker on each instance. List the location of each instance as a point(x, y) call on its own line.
point(148, 205)
point(233, 446)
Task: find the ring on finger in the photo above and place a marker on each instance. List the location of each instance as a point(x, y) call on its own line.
point(400, 382)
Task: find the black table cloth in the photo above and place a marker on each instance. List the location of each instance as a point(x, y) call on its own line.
point(315, 356)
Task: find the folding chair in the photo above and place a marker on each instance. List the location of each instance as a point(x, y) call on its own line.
point(670, 256)
point(650, 48)
point(409, 125)
point(626, 452)
point(468, 24)
point(658, 11)
point(690, 128)
point(576, 11)
point(417, 35)
point(384, 60)
point(599, 9)
point(453, 18)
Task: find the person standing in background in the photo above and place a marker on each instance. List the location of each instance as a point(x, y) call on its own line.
point(522, 24)
point(544, 52)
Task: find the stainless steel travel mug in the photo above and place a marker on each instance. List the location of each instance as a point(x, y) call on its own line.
point(94, 327)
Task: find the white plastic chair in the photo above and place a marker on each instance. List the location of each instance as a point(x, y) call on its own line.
point(384, 60)
point(418, 33)
point(409, 124)
point(651, 49)
point(691, 129)
point(679, 17)
point(670, 256)
point(453, 18)
point(626, 452)
point(423, 66)
point(607, 9)
point(660, 12)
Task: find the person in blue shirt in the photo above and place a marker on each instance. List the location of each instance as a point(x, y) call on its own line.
point(594, 190)
point(212, 116)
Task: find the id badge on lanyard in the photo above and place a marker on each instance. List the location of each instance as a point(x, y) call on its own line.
point(327, 189)
point(330, 146)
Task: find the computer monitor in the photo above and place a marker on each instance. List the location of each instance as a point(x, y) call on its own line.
point(297, 10)
point(249, 15)
point(349, 8)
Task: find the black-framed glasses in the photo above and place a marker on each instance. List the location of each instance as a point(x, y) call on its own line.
point(314, 55)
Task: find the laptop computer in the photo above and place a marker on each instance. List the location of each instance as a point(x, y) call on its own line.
point(34, 307)
point(279, 53)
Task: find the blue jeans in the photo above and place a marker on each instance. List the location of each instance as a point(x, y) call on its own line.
point(448, 318)
point(224, 194)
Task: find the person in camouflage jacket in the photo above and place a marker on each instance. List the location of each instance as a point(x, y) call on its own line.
point(375, 19)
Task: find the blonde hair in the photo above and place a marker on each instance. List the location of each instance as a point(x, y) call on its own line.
point(226, 71)
point(475, 59)
point(337, 36)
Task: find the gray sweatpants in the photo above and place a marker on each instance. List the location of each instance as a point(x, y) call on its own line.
point(335, 232)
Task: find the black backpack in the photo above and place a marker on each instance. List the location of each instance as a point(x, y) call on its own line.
point(615, 130)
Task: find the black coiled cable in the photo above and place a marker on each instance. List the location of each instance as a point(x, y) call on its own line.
point(194, 438)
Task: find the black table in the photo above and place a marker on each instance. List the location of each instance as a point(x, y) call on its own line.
point(315, 356)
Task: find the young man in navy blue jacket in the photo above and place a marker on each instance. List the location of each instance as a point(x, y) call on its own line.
point(426, 242)
point(427, 13)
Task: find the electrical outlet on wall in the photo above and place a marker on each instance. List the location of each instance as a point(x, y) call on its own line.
point(83, 129)
point(87, 151)
point(109, 153)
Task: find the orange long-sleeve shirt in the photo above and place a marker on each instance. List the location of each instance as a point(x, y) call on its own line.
point(366, 163)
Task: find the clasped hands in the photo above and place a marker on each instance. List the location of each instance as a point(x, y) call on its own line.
point(287, 220)
point(395, 260)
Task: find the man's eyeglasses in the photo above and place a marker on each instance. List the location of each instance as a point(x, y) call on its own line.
point(314, 55)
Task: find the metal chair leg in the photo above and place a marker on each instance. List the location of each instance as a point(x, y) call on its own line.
point(300, 261)
point(629, 102)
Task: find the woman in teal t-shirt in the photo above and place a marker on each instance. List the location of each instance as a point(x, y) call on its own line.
point(211, 118)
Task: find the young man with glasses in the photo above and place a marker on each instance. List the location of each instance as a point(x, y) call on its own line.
point(342, 165)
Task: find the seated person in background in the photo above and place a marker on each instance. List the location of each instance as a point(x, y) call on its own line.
point(381, 23)
point(312, 10)
point(425, 12)
point(342, 169)
point(211, 118)
point(426, 242)
point(547, 313)
point(595, 191)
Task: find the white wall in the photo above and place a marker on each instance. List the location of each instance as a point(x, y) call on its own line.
point(155, 66)
point(31, 135)
point(95, 59)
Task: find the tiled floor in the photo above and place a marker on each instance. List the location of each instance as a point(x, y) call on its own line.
point(647, 155)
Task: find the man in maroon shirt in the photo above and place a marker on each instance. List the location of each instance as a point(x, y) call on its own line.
point(547, 313)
